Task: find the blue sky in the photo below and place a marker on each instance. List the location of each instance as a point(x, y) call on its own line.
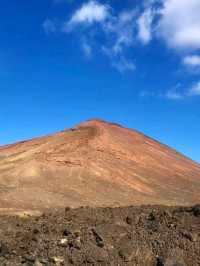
point(132, 62)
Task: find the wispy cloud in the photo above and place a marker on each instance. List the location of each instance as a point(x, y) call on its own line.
point(49, 26)
point(117, 30)
point(121, 29)
point(192, 61)
point(177, 93)
point(89, 13)
point(191, 64)
point(100, 27)
point(145, 26)
point(173, 95)
point(123, 65)
point(86, 48)
point(194, 90)
point(180, 93)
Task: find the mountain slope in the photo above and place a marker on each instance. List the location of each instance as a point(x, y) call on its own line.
point(96, 164)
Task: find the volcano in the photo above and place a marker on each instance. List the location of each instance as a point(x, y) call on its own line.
point(95, 164)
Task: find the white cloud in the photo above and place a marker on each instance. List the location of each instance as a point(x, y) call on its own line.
point(117, 32)
point(180, 24)
point(121, 28)
point(174, 95)
point(118, 60)
point(179, 93)
point(192, 60)
point(145, 93)
point(89, 13)
point(86, 47)
point(194, 90)
point(49, 26)
point(120, 32)
point(144, 26)
point(177, 22)
point(123, 65)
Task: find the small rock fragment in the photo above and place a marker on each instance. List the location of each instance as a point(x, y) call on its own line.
point(152, 217)
point(126, 253)
point(57, 260)
point(66, 232)
point(38, 263)
point(196, 210)
point(129, 220)
point(174, 262)
point(3, 249)
point(67, 209)
point(63, 242)
point(98, 238)
point(36, 231)
point(190, 236)
point(159, 261)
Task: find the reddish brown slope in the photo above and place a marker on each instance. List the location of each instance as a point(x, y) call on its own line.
point(95, 164)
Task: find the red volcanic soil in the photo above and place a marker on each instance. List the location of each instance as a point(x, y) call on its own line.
point(95, 164)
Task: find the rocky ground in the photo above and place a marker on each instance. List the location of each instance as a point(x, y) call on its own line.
point(149, 235)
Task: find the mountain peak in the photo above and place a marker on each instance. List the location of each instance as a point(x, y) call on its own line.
point(97, 164)
point(98, 122)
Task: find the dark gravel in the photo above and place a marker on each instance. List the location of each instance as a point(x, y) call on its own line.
point(146, 235)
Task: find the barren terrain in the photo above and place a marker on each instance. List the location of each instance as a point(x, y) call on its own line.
point(134, 236)
point(94, 164)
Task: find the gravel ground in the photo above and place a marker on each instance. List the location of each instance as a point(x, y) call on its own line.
point(146, 235)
